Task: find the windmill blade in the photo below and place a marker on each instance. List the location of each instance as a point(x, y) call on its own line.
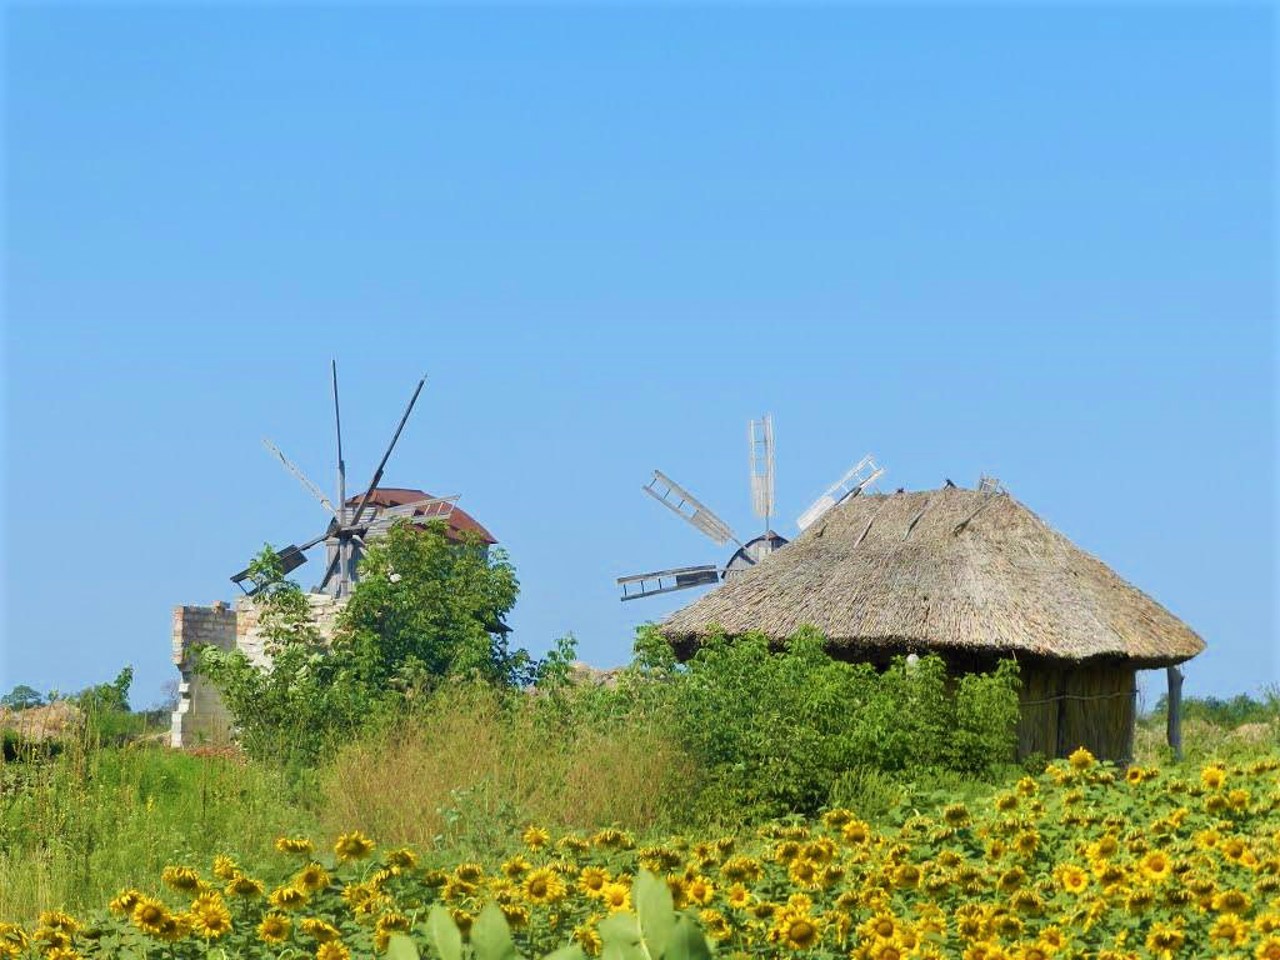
point(377, 474)
point(290, 557)
point(430, 508)
point(667, 581)
point(342, 482)
point(686, 506)
point(436, 510)
point(861, 475)
point(760, 441)
point(302, 478)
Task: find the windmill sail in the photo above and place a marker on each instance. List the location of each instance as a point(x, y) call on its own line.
point(861, 475)
point(760, 441)
point(667, 581)
point(686, 506)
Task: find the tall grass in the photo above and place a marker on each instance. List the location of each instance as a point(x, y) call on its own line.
point(78, 826)
point(471, 766)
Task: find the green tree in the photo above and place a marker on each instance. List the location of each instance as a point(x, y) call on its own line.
point(426, 608)
point(292, 707)
point(22, 697)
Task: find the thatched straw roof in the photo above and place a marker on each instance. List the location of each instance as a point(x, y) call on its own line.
point(948, 570)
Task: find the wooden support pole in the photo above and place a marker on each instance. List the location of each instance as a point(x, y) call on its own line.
point(1174, 728)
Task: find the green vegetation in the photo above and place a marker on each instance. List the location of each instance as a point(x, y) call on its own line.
point(424, 609)
point(420, 726)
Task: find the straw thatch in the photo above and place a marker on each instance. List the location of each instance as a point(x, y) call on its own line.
point(964, 573)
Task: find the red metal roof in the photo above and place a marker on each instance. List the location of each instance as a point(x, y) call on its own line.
point(460, 522)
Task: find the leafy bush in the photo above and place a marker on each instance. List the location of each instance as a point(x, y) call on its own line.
point(779, 730)
point(424, 609)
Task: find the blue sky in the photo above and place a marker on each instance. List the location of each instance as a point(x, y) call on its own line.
point(1036, 241)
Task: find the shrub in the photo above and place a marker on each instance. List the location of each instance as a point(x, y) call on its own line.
point(777, 731)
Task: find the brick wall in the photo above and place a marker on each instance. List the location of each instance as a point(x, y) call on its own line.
point(201, 718)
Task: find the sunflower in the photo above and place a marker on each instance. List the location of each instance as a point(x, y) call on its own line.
point(242, 886)
point(288, 898)
point(837, 818)
point(274, 928)
point(795, 929)
point(543, 886)
point(388, 924)
point(1071, 878)
point(592, 880)
point(1268, 949)
point(616, 896)
point(613, 839)
point(856, 832)
point(1165, 939)
point(1027, 901)
point(588, 937)
point(955, 815)
point(515, 867)
point(333, 950)
point(224, 868)
point(700, 891)
point(742, 869)
point(312, 878)
point(1232, 901)
point(1081, 759)
point(535, 838)
point(516, 914)
point(319, 930)
point(182, 879)
point(210, 917)
point(463, 919)
point(353, 846)
point(738, 896)
point(124, 902)
point(1213, 776)
point(803, 874)
point(1027, 842)
point(150, 915)
point(1156, 866)
point(13, 940)
point(402, 859)
point(887, 950)
point(298, 845)
point(1231, 929)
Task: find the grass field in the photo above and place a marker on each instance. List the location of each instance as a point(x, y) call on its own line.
point(460, 785)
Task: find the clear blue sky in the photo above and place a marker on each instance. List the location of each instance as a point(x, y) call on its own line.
point(1036, 241)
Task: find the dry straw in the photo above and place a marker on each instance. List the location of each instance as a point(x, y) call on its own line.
point(954, 571)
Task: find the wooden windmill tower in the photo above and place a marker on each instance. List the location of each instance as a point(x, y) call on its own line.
point(761, 471)
point(353, 521)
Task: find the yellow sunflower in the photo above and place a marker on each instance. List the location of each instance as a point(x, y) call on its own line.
point(543, 886)
point(210, 917)
point(274, 928)
point(353, 846)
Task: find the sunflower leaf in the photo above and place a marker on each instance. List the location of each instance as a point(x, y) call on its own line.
point(445, 935)
point(490, 935)
point(656, 912)
point(687, 941)
point(401, 947)
point(620, 938)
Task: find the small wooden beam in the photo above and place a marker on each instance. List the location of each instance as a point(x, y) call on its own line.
point(1174, 728)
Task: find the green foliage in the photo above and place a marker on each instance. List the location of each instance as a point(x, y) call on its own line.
point(426, 608)
point(423, 610)
point(299, 703)
point(78, 824)
point(1230, 713)
point(22, 697)
point(655, 931)
point(785, 731)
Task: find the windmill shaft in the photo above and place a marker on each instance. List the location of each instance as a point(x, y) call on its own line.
point(377, 474)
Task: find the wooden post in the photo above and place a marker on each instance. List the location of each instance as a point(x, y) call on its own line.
point(1174, 728)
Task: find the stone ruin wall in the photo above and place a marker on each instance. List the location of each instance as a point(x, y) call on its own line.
point(201, 719)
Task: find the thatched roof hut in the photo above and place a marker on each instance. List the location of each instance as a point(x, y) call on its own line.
point(973, 577)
